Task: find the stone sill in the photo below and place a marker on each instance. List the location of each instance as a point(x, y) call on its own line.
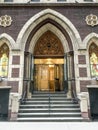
point(92, 86)
point(5, 87)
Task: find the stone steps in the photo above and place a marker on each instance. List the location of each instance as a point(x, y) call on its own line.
point(49, 107)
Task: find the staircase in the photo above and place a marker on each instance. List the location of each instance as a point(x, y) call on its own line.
point(49, 107)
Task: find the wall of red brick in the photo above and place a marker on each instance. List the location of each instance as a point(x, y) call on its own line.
point(21, 14)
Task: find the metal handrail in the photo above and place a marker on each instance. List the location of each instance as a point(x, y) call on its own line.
point(49, 99)
point(23, 98)
point(75, 98)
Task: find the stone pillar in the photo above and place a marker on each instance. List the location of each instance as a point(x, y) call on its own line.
point(84, 104)
point(69, 93)
point(14, 106)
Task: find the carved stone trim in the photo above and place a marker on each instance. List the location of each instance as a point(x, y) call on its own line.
point(91, 20)
point(5, 21)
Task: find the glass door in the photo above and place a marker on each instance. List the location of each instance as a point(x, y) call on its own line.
point(44, 77)
point(49, 75)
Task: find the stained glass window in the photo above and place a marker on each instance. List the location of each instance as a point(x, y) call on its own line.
point(93, 51)
point(4, 54)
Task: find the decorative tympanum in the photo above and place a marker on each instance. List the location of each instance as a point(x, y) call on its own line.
point(48, 45)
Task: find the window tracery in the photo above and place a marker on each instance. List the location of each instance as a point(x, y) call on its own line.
point(4, 58)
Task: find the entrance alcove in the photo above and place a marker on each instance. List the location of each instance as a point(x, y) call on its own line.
point(46, 24)
point(48, 63)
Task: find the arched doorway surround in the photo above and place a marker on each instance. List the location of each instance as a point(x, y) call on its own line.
point(55, 22)
point(48, 63)
point(56, 17)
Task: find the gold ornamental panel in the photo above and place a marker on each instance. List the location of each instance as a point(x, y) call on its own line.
point(48, 45)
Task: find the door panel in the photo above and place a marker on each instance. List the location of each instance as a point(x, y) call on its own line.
point(48, 75)
point(44, 77)
point(51, 78)
point(41, 77)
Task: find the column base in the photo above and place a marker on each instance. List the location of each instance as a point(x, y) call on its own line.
point(13, 116)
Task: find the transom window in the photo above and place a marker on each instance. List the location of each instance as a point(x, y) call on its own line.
point(4, 58)
point(93, 52)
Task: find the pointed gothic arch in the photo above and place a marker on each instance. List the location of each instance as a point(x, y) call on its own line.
point(57, 17)
point(53, 29)
point(8, 40)
point(48, 45)
point(89, 39)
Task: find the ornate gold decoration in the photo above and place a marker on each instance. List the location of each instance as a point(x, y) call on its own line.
point(48, 45)
point(5, 20)
point(91, 20)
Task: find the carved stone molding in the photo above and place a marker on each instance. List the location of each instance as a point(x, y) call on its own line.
point(5, 21)
point(91, 20)
point(48, 45)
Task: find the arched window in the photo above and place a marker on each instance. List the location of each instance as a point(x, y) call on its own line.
point(93, 53)
point(4, 59)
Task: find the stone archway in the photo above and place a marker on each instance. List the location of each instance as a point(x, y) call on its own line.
point(62, 27)
point(48, 63)
point(55, 16)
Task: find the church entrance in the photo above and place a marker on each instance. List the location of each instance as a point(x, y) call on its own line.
point(48, 63)
point(45, 69)
point(48, 75)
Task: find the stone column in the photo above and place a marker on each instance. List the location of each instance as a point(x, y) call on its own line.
point(69, 93)
point(14, 106)
point(84, 104)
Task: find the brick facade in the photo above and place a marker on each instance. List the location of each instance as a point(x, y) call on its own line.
point(75, 13)
point(83, 72)
point(81, 59)
point(15, 73)
point(83, 85)
point(16, 60)
point(14, 85)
